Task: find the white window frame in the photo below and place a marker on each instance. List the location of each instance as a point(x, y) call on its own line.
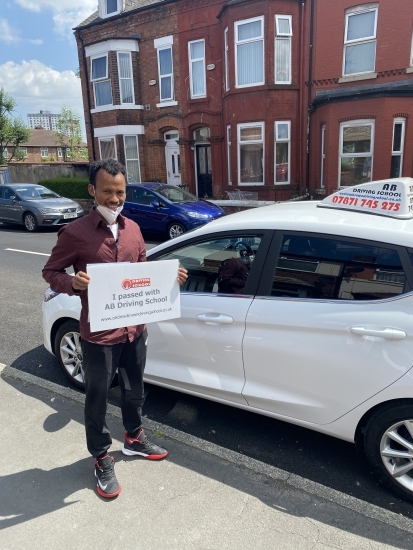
point(239, 142)
point(352, 123)
point(42, 150)
point(411, 53)
point(226, 60)
point(59, 153)
point(400, 153)
point(284, 140)
point(161, 99)
point(106, 138)
point(256, 39)
point(131, 78)
point(323, 156)
point(100, 80)
point(103, 9)
point(196, 60)
point(229, 143)
point(364, 40)
point(285, 37)
point(138, 159)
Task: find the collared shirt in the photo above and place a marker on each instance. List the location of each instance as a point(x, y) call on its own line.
point(89, 240)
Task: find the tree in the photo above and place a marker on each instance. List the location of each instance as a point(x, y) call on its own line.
point(13, 131)
point(69, 135)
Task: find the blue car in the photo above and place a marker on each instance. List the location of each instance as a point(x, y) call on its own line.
point(167, 209)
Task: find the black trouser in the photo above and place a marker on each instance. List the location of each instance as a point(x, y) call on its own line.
point(99, 365)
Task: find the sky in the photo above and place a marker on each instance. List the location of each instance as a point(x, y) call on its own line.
point(38, 54)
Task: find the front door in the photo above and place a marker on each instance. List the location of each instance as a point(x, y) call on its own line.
point(204, 170)
point(173, 163)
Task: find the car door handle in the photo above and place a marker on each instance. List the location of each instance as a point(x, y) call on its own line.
point(215, 319)
point(381, 332)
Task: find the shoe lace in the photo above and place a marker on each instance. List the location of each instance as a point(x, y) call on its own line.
point(107, 470)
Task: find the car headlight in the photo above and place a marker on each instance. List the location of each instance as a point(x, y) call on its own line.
point(49, 294)
point(49, 211)
point(197, 215)
point(79, 209)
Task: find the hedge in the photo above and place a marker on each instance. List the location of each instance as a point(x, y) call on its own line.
point(72, 188)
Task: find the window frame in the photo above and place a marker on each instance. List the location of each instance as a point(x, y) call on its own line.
point(196, 60)
point(229, 144)
point(249, 40)
point(103, 9)
point(169, 75)
point(59, 152)
point(358, 11)
point(101, 80)
point(411, 53)
point(106, 138)
point(226, 58)
point(131, 77)
point(288, 140)
point(136, 159)
point(402, 121)
point(42, 150)
point(253, 142)
point(323, 156)
point(350, 123)
point(284, 37)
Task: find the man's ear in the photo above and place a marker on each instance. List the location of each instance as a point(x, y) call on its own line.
point(91, 189)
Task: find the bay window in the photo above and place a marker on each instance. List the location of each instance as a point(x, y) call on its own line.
point(133, 173)
point(356, 152)
point(107, 146)
point(101, 82)
point(251, 153)
point(397, 148)
point(283, 34)
point(249, 52)
point(282, 152)
point(125, 78)
point(226, 60)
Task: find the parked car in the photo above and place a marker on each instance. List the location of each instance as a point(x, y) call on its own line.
point(300, 311)
point(35, 206)
point(167, 209)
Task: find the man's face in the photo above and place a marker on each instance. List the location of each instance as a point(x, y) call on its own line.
point(110, 191)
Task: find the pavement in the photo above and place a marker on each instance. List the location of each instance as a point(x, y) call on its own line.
point(202, 497)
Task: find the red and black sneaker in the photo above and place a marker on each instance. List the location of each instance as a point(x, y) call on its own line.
point(140, 445)
point(107, 485)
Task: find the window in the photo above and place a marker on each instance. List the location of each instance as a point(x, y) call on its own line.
point(197, 68)
point(165, 74)
point(59, 152)
point(251, 153)
point(397, 148)
point(226, 60)
point(356, 152)
point(101, 82)
point(140, 195)
point(107, 148)
point(323, 155)
point(217, 266)
point(249, 52)
point(360, 41)
point(328, 268)
point(125, 78)
point(411, 54)
point(44, 153)
point(133, 173)
point(283, 34)
point(5, 152)
point(282, 152)
point(108, 8)
point(229, 155)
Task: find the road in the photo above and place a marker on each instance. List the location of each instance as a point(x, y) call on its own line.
point(314, 456)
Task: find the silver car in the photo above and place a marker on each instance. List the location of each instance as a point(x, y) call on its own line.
point(35, 206)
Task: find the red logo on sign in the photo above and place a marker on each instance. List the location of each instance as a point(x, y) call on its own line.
point(127, 284)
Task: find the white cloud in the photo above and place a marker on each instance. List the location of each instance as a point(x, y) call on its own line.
point(35, 41)
point(66, 13)
point(36, 86)
point(7, 33)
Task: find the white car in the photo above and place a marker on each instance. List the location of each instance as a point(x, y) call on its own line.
point(302, 311)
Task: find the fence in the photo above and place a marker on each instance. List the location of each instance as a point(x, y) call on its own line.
point(238, 195)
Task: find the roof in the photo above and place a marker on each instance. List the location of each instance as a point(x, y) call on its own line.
point(130, 5)
point(43, 138)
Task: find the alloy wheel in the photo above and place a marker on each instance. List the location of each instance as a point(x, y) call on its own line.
point(71, 355)
point(176, 230)
point(396, 450)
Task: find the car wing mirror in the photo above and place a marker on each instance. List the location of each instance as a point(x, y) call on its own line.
point(13, 198)
point(156, 204)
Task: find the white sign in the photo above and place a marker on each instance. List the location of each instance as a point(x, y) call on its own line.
point(393, 197)
point(126, 294)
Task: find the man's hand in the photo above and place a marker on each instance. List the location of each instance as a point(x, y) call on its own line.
point(182, 275)
point(80, 281)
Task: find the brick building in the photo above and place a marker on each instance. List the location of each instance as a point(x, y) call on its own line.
point(226, 95)
point(41, 147)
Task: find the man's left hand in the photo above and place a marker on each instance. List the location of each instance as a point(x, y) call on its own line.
point(182, 275)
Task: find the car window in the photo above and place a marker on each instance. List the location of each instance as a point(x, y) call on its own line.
point(176, 195)
point(312, 267)
point(8, 193)
point(220, 266)
point(140, 195)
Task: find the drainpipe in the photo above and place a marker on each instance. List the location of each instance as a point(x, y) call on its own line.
point(310, 88)
point(301, 100)
point(88, 97)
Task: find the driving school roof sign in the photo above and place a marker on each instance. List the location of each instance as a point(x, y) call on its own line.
point(393, 198)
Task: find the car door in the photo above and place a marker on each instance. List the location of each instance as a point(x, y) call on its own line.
point(202, 350)
point(9, 210)
point(139, 208)
point(331, 327)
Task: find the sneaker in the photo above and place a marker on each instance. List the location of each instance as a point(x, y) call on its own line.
point(107, 484)
point(140, 445)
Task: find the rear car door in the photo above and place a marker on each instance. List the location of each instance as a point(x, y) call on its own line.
point(331, 326)
point(139, 208)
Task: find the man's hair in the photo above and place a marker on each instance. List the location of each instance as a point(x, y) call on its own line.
point(111, 166)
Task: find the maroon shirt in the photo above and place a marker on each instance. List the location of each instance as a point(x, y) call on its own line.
point(89, 240)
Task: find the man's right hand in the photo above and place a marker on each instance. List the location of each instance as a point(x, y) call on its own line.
point(80, 281)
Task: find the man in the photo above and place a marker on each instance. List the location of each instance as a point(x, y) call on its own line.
point(104, 235)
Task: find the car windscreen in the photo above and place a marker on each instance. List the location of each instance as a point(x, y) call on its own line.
point(36, 193)
point(176, 195)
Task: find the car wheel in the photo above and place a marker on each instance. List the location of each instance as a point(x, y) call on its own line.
point(30, 222)
point(388, 444)
point(69, 352)
point(175, 230)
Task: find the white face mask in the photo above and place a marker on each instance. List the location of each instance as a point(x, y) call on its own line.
point(108, 214)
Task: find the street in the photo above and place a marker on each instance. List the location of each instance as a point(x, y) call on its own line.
point(316, 457)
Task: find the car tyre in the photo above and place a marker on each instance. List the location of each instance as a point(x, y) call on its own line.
point(388, 444)
point(176, 230)
point(67, 346)
point(30, 222)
